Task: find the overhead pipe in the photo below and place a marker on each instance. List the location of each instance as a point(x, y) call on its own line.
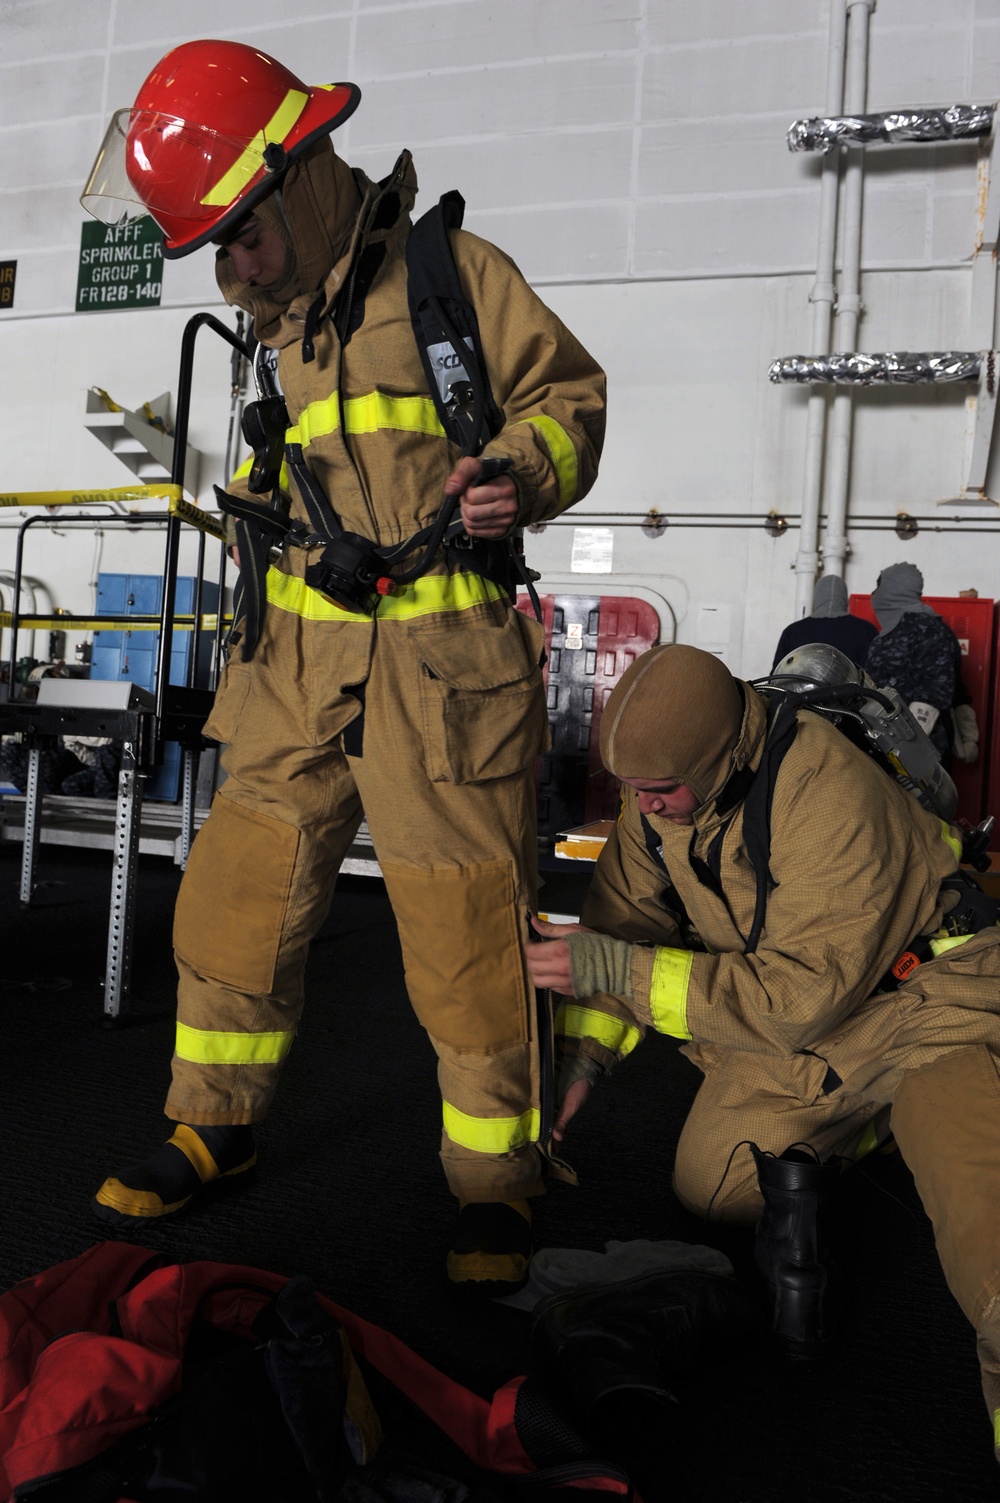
point(849, 298)
point(822, 298)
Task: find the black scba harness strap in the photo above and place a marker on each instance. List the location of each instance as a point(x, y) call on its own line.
point(974, 911)
point(349, 569)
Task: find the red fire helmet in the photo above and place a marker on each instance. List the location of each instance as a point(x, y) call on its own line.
point(210, 133)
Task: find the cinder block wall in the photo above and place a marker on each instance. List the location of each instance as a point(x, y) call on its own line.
point(630, 155)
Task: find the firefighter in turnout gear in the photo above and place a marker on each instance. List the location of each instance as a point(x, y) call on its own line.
point(414, 701)
point(870, 999)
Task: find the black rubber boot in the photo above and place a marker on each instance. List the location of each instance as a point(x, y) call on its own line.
point(491, 1249)
point(166, 1182)
point(791, 1248)
point(615, 1351)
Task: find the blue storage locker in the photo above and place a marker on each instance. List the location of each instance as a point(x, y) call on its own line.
point(132, 655)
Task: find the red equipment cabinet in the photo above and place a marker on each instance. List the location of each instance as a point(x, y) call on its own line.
point(972, 621)
point(589, 642)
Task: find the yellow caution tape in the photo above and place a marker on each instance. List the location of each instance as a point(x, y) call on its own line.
point(194, 515)
point(123, 494)
point(105, 623)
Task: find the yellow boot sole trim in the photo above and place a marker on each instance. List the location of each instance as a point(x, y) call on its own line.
point(146, 1203)
point(487, 1268)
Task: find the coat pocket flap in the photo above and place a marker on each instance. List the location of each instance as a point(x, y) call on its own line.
point(482, 655)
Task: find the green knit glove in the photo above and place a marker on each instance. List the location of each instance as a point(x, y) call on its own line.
point(600, 964)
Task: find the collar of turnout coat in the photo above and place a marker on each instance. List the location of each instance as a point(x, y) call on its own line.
point(333, 213)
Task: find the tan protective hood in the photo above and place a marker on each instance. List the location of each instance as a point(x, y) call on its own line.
point(318, 212)
point(677, 713)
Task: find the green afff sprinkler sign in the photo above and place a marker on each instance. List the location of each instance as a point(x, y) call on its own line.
point(121, 266)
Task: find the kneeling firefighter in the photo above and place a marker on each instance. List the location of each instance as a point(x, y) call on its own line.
point(413, 413)
point(779, 901)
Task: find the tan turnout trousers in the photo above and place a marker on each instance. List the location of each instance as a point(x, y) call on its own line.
point(445, 781)
point(938, 1074)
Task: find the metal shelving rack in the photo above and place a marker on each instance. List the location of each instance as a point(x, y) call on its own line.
point(140, 722)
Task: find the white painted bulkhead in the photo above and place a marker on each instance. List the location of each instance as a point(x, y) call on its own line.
point(630, 155)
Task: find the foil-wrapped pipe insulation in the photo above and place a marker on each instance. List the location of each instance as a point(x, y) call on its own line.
point(895, 367)
point(957, 122)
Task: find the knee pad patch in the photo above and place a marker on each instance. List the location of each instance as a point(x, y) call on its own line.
point(233, 898)
point(461, 940)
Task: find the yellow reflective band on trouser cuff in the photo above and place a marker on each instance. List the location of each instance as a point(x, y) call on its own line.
point(490, 1134)
point(368, 414)
point(586, 1023)
point(201, 1046)
point(561, 453)
point(246, 167)
point(424, 597)
point(951, 841)
point(668, 991)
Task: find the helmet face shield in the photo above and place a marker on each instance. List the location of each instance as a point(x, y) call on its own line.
point(210, 133)
point(186, 177)
point(169, 169)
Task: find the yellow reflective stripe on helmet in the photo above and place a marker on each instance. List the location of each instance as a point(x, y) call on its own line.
point(951, 840)
point(491, 1134)
point(246, 167)
point(424, 597)
point(562, 454)
point(586, 1023)
point(247, 466)
point(204, 1046)
point(668, 991)
point(368, 414)
point(949, 942)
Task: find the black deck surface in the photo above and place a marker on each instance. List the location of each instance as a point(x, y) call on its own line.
point(350, 1192)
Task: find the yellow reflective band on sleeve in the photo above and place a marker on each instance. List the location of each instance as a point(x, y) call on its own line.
point(368, 414)
point(668, 991)
point(996, 1429)
point(246, 167)
point(868, 1143)
point(491, 1134)
point(561, 453)
point(424, 597)
point(206, 1047)
point(949, 942)
point(586, 1023)
point(951, 840)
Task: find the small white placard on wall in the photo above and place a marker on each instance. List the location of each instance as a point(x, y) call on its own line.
point(592, 549)
point(713, 623)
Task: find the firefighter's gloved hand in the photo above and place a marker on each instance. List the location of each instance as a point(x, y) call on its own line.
point(599, 963)
point(925, 715)
point(488, 510)
point(573, 1066)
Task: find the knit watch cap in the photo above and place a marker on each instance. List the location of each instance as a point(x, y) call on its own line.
point(676, 712)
